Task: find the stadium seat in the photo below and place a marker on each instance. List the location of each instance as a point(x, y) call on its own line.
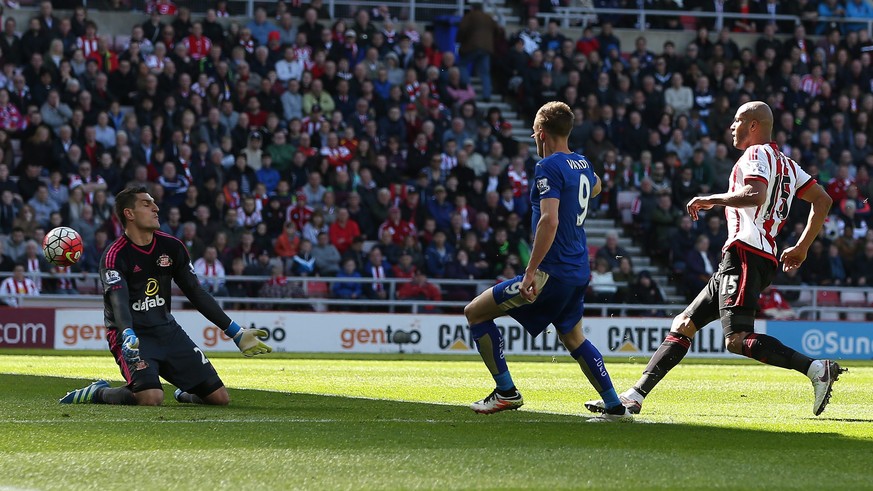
point(853, 298)
point(856, 316)
point(805, 297)
point(828, 298)
point(829, 315)
point(317, 289)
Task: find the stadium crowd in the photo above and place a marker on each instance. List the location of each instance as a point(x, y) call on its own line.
point(284, 146)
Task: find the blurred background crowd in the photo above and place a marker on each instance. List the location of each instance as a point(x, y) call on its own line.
point(294, 144)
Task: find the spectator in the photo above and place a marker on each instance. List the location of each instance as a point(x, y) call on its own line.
point(42, 205)
point(438, 255)
point(685, 186)
point(87, 226)
point(15, 286)
point(773, 305)
point(398, 228)
point(623, 276)
point(862, 267)
point(347, 290)
point(327, 257)
point(54, 112)
point(314, 227)
point(602, 285)
point(645, 291)
point(260, 27)
point(211, 272)
point(15, 244)
point(192, 241)
point(420, 289)
point(817, 269)
point(700, 266)
point(404, 268)
point(611, 252)
point(838, 268)
point(475, 35)
point(716, 232)
point(678, 96)
point(376, 268)
point(664, 219)
point(858, 9)
point(278, 286)
point(440, 208)
point(303, 263)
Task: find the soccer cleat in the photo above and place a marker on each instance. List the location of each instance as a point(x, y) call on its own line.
point(495, 403)
point(632, 405)
point(823, 374)
point(620, 413)
point(85, 394)
point(178, 396)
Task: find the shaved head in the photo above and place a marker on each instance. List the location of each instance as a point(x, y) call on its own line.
point(753, 125)
point(758, 111)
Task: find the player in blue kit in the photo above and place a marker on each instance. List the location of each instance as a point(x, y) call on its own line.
point(552, 289)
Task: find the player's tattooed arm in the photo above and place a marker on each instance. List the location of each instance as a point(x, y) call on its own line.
point(754, 193)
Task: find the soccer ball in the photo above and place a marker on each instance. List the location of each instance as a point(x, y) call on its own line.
point(62, 246)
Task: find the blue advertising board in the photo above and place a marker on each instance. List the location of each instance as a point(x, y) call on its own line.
point(834, 340)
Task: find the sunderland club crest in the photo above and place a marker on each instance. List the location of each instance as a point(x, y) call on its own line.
point(164, 261)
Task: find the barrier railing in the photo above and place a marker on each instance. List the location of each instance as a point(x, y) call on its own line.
point(583, 16)
point(814, 302)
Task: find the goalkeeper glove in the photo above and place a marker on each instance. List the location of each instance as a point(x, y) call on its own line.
point(130, 347)
point(247, 339)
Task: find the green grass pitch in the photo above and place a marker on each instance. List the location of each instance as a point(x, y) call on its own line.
point(401, 422)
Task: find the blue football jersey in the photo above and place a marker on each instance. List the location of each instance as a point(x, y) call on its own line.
point(570, 178)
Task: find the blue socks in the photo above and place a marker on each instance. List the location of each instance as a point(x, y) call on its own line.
point(489, 342)
point(591, 361)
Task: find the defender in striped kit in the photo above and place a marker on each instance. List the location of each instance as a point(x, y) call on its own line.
point(763, 184)
point(137, 271)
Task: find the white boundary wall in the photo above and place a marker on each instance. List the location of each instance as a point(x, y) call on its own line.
point(373, 333)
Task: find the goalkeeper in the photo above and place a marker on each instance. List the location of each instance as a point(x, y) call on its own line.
point(137, 271)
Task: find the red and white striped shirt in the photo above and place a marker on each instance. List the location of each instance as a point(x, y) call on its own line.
point(64, 281)
point(413, 90)
point(518, 180)
point(337, 157)
point(312, 126)
point(32, 268)
point(811, 84)
point(11, 287)
point(756, 227)
point(211, 274)
point(87, 46)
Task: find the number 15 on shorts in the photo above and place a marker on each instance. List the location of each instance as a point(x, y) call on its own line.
point(728, 285)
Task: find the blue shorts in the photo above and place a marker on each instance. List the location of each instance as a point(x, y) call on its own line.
point(556, 303)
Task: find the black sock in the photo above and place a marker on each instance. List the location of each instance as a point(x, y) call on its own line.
point(190, 398)
point(669, 354)
point(119, 395)
point(771, 351)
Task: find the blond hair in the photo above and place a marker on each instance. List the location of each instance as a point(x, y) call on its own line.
point(555, 118)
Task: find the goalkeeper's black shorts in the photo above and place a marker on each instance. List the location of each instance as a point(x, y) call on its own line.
point(171, 356)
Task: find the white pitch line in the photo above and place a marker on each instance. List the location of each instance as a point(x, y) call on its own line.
point(580, 419)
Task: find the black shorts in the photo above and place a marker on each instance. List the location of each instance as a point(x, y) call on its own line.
point(732, 292)
point(171, 355)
